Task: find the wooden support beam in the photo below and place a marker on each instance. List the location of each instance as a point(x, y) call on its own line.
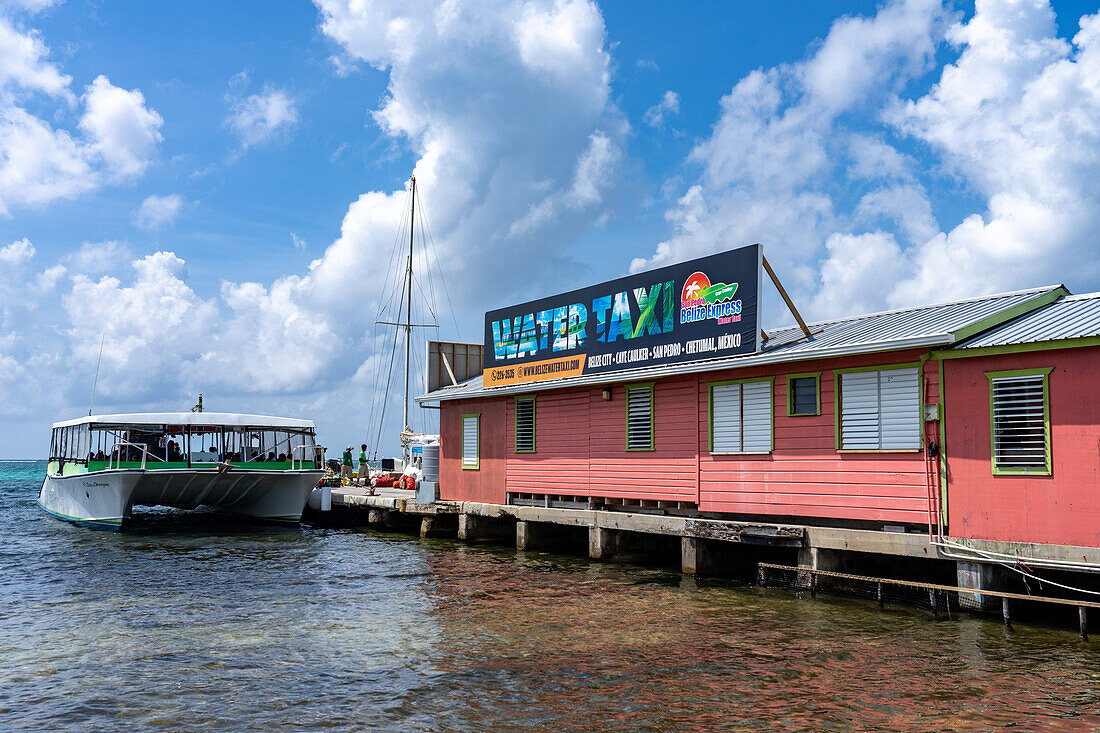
point(450, 372)
point(787, 299)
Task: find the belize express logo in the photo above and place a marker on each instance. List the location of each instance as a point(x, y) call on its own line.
point(701, 300)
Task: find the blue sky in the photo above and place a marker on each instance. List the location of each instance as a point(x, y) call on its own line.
point(216, 193)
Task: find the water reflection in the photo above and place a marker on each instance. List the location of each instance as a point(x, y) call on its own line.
point(194, 622)
point(596, 646)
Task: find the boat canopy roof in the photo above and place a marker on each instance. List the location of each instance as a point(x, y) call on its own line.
point(203, 419)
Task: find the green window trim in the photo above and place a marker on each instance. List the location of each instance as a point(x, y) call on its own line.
point(652, 414)
point(477, 454)
point(837, 388)
point(1047, 470)
point(710, 416)
point(790, 393)
point(534, 433)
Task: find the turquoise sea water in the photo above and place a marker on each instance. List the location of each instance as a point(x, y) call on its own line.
point(190, 621)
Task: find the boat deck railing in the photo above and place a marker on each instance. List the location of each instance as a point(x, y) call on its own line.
point(299, 465)
point(115, 460)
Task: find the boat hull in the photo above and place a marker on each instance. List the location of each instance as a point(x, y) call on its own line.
point(104, 499)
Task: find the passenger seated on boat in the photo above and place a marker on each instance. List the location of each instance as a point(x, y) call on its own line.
point(271, 457)
point(281, 458)
point(205, 456)
point(100, 456)
point(258, 458)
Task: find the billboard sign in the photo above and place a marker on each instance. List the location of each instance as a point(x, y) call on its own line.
point(450, 363)
point(704, 308)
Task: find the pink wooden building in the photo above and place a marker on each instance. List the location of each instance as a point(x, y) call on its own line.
point(1022, 431)
point(844, 429)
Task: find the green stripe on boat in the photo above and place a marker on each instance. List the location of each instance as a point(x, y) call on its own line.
point(114, 524)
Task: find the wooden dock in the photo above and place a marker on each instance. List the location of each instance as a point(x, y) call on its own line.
point(613, 529)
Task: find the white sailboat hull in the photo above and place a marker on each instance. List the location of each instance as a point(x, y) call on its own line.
point(104, 499)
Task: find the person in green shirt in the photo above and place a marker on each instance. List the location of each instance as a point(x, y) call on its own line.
point(345, 466)
point(363, 477)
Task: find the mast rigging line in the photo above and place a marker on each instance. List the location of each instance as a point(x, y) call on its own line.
point(383, 304)
point(435, 253)
point(418, 270)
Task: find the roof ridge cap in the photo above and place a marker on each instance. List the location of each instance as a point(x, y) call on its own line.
point(1079, 296)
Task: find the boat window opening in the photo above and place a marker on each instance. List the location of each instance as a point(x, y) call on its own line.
point(106, 447)
point(84, 443)
point(204, 444)
point(73, 445)
point(231, 440)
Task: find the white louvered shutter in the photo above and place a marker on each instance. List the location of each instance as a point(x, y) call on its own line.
point(741, 417)
point(756, 417)
point(1019, 423)
point(880, 410)
point(469, 441)
point(899, 400)
point(726, 418)
point(859, 411)
point(639, 418)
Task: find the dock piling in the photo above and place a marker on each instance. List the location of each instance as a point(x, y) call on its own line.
point(601, 543)
point(1083, 618)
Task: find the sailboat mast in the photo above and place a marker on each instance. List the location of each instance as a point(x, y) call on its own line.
point(408, 310)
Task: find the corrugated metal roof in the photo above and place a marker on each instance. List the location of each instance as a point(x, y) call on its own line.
point(917, 327)
point(1069, 317)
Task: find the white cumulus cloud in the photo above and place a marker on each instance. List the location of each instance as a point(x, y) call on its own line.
point(158, 211)
point(121, 131)
point(115, 138)
point(831, 163)
point(260, 118)
point(516, 142)
point(17, 253)
point(669, 105)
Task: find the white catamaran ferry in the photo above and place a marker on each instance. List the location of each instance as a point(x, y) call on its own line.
point(248, 465)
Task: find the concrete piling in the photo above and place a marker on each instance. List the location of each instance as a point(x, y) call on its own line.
point(437, 526)
point(979, 576)
point(602, 543)
point(524, 536)
point(689, 555)
point(472, 527)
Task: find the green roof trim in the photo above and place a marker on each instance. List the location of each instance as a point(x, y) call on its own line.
point(1074, 343)
point(1009, 313)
